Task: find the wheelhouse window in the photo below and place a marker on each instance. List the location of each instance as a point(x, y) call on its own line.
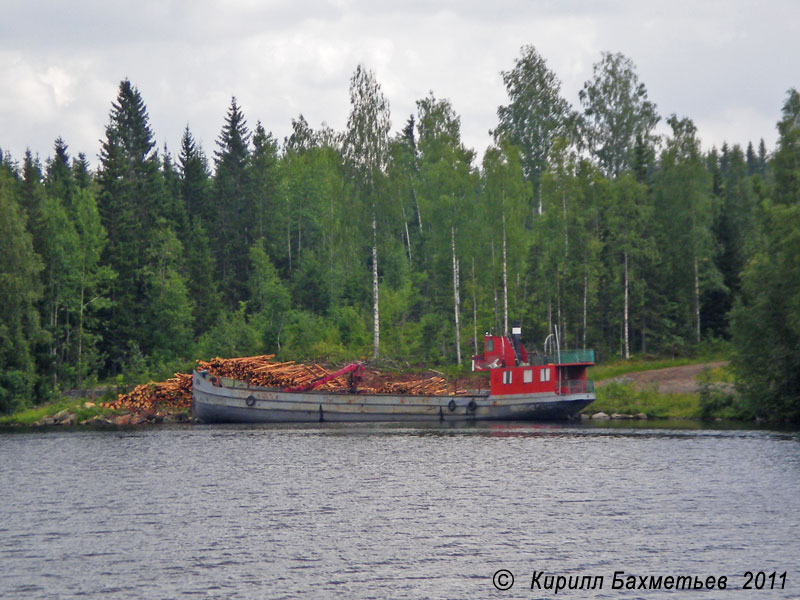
point(489, 345)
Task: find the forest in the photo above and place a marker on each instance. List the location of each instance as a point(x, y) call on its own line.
point(405, 248)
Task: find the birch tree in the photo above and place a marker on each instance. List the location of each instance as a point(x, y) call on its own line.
point(536, 115)
point(617, 113)
point(447, 183)
point(505, 193)
point(365, 150)
point(683, 204)
point(629, 243)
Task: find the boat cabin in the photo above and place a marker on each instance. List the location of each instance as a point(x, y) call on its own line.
point(514, 371)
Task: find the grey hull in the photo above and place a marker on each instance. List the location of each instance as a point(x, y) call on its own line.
point(235, 402)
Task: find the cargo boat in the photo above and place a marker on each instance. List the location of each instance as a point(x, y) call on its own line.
point(550, 386)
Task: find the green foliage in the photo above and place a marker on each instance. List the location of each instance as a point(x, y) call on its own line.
point(617, 113)
point(135, 368)
point(20, 290)
point(234, 335)
point(719, 402)
point(536, 116)
point(133, 208)
point(342, 241)
point(684, 217)
point(766, 319)
point(627, 399)
point(201, 278)
point(232, 230)
point(308, 336)
point(269, 298)
point(29, 416)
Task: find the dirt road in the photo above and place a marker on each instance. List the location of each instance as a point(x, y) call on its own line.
point(674, 380)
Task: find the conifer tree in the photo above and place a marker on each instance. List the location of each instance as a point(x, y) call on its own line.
point(59, 180)
point(80, 172)
point(199, 263)
point(133, 211)
point(264, 183)
point(195, 179)
point(752, 159)
point(232, 228)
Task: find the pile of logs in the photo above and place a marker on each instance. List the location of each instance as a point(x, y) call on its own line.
point(262, 371)
point(434, 386)
point(176, 393)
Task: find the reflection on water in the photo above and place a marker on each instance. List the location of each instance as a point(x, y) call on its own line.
point(402, 511)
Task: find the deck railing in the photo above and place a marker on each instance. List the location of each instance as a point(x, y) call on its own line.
point(576, 386)
point(564, 357)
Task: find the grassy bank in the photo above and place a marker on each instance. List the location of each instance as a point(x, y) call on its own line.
point(618, 368)
point(627, 399)
point(714, 397)
point(79, 407)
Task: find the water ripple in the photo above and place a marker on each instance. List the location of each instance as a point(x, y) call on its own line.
point(376, 511)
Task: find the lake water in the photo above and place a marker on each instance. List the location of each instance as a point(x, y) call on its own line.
point(390, 511)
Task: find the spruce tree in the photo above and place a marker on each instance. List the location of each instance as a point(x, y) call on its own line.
point(81, 175)
point(132, 209)
point(195, 179)
point(232, 228)
point(59, 179)
point(752, 159)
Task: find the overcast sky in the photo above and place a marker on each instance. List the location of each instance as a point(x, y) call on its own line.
point(725, 64)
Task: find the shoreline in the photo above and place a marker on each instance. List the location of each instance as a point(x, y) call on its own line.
point(699, 392)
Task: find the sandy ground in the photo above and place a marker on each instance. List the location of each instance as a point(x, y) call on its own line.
point(675, 380)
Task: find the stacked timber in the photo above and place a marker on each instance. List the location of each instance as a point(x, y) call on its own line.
point(263, 371)
point(172, 394)
point(430, 386)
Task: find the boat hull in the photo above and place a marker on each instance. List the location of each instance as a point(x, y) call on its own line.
point(231, 401)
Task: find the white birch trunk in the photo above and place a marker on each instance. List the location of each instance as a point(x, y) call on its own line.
point(408, 238)
point(80, 329)
point(289, 241)
point(585, 302)
point(559, 326)
point(505, 280)
point(474, 308)
point(376, 334)
point(456, 296)
point(416, 201)
point(494, 288)
point(626, 312)
point(696, 299)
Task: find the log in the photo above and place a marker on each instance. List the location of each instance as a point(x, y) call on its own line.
point(176, 392)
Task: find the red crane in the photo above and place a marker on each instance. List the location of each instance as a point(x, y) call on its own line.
point(355, 370)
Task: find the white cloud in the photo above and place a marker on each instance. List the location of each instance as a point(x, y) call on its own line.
point(725, 65)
